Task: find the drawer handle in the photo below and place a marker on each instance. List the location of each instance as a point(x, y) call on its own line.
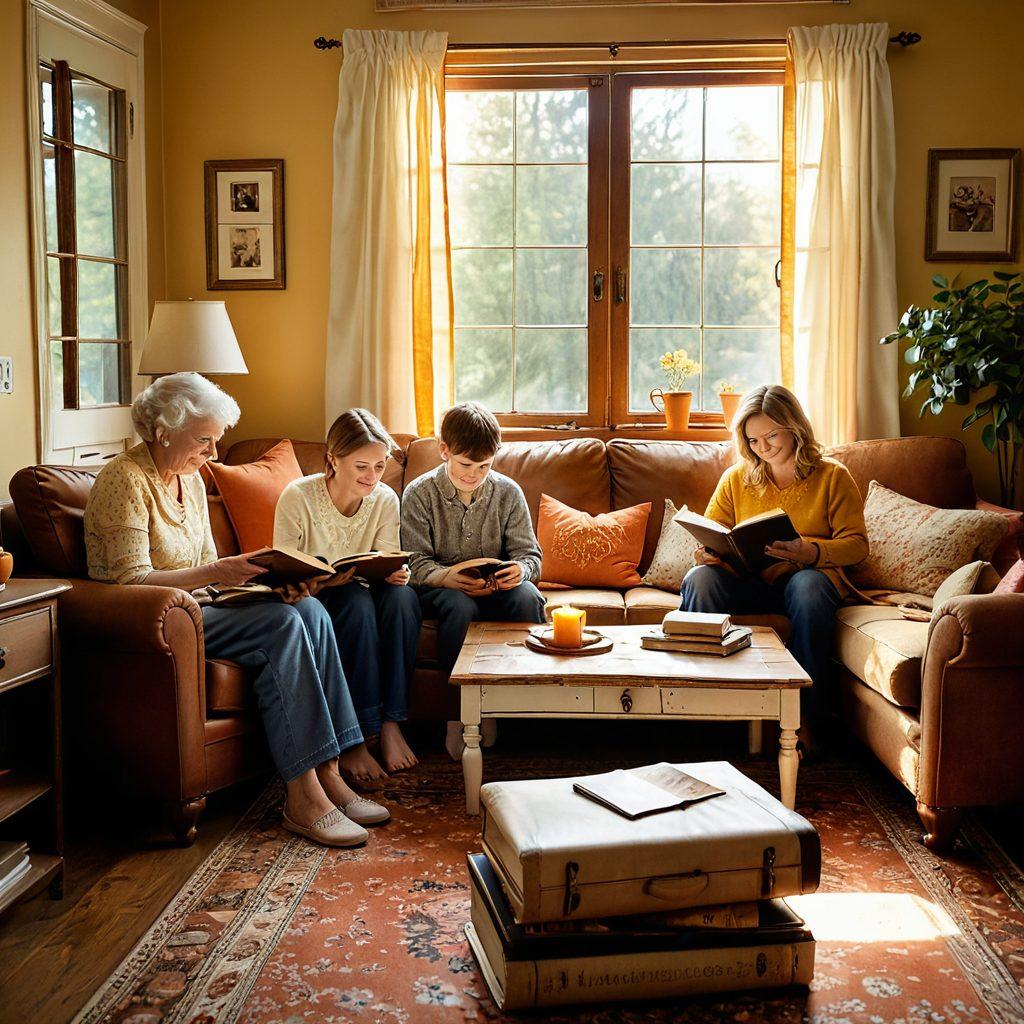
point(627, 701)
point(3, 654)
point(672, 887)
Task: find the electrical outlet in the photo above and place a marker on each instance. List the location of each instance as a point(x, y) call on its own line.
point(6, 375)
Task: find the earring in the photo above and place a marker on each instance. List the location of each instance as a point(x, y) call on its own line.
point(166, 443)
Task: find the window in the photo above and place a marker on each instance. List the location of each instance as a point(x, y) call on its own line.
point(589, 238)
point(88, 225)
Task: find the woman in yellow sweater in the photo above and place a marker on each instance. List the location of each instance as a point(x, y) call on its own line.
point(781, 466)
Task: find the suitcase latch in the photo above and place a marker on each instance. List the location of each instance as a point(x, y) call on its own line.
point(768, 869)
point(572, 892)
point(627, 701)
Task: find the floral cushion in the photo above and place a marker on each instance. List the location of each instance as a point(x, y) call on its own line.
point(914, 546)
point(673, 558)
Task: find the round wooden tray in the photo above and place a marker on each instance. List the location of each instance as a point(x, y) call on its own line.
point(593, 642)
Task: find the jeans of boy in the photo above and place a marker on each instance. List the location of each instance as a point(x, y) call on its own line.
point(378, 630)
point(299, 682)
point(807, 598)
point(455, 610)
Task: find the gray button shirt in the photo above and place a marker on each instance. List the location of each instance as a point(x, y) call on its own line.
point(441, 531)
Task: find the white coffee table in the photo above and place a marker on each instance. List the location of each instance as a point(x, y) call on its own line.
point(502, 678)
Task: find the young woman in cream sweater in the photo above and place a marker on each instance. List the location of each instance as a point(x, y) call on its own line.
point(342, 511)
point(781, 465)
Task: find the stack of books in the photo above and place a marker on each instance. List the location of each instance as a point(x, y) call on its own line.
point(695, 951)
point(14, 864)
point(697, 633)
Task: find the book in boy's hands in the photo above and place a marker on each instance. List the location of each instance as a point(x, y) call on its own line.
point(742, 547)
point(481, 568)
point(735, 640)
point(289, 565)
point(635, 794)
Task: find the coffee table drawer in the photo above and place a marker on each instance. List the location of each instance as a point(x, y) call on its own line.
point(627, 700)
point(720, 703)
point(536, 699)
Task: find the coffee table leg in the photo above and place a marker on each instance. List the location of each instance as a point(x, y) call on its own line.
point(472, 756)
point(789, 721)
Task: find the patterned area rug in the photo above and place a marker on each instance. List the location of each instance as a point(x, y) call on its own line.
point(273, 929)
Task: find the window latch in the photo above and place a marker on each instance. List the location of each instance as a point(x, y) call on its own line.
point(620, 285)
point(598, 286)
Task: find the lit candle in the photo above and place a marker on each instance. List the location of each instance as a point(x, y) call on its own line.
point(568, 623)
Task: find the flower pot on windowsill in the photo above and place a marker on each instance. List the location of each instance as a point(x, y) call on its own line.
point(675, 405)
point(730, 403)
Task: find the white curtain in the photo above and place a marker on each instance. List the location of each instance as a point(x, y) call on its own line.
point(845, 281)
point(389, 329)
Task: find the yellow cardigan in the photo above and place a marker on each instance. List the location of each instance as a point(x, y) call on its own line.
point(825, 507)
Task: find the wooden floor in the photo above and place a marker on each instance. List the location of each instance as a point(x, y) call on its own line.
point(55, 954)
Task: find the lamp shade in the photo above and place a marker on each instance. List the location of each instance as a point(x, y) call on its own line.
point(188, 335)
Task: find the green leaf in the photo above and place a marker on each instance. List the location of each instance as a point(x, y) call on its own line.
point(970, 419)
point(939, 281)
point(1002, 275)
point(936, 406)
point(913, 354)
point(988, 437)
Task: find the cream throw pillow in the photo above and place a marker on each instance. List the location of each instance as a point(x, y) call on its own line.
point(973, 578)
point(673, 558)
point(914, 547)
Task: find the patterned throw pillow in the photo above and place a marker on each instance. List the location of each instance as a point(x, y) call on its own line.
point(914, 547)
point(673, 558)
point(582, 550)
point(1013, 581)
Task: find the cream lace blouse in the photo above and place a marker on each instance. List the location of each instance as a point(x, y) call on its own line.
point(134, 523)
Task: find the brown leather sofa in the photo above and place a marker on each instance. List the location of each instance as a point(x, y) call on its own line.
point(939, 706)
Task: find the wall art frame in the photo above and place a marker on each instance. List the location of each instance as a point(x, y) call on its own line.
point(244, 224)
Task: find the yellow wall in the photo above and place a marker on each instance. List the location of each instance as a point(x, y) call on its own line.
point(19, 429)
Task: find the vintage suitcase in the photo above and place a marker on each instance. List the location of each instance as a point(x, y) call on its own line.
point(560, 855)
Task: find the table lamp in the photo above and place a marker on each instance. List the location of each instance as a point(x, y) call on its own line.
point(189, 335)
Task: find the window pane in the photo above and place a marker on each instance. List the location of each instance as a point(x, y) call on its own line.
point(742, 204)
point(482, 285)
point(551, 126)
point(92, 120)
point(46, 99)
point(50, 196)
point(97, 300)
point(739, 286)
point(666, 124)
point(745, 358)
point(551, 205)
point(53, 294)
point(743, 123)
point(99, 379)
point(646, 347)
point(94, 204)
point(551, 370)
point(665, 204)
point(57, 374)
point(551, 286)
point(483, 367)
point(665, 286)
point(481, 201)
point(478, 126)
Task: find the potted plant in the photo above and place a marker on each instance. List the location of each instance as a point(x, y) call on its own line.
point(972, 344)
point(729, 397)
point(678, 367)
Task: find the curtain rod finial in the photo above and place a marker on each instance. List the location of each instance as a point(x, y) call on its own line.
point(322, 43)
point(906, 38)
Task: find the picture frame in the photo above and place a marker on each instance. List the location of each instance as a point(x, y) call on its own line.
point(244, 224)
point(972, 205)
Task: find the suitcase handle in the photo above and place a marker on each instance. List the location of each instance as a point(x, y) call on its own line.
point(672, 887)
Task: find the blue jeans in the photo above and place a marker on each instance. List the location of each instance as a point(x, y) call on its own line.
point(299, 683)
point(455, 610)
point(378, 630)
point(807, 598)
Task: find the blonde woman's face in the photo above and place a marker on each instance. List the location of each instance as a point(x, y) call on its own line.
point(770, 441)
point(360, 471)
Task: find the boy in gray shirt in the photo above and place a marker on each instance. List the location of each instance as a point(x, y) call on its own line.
point(464, 510)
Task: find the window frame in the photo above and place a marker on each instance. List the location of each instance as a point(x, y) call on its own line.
point(609, 222)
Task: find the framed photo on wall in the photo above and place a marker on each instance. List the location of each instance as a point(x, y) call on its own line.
point(244, 224)
point(972, 205)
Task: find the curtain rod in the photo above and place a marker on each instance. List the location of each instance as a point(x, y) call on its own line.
point(903, 38)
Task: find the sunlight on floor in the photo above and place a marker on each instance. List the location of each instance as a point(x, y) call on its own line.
point(873, 917)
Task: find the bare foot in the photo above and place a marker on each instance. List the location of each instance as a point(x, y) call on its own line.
point(395, 751)
point(362, 766)
point(336, 788)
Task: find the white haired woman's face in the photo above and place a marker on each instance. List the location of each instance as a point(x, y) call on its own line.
point(186, 450)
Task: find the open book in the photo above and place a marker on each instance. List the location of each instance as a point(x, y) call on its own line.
point(481, 568)
point(289, 565)
point(642, 791)
point(743, 546)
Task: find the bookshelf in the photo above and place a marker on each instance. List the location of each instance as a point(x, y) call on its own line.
point(31, 764)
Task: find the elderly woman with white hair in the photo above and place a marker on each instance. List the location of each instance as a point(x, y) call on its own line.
point(147, 523)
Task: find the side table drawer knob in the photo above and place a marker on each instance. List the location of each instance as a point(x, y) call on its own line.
point(627, 701)
point(3, 654)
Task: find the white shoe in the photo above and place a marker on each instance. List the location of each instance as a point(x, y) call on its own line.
point(366, 812)
point(333, 829)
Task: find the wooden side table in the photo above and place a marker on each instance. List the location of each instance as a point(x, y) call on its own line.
point(30, 733)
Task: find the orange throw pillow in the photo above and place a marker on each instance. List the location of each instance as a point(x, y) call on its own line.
point(582, 550)
point(250, 492)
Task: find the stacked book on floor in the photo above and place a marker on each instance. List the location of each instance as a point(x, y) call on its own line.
point(697, 633)
point(14, 864)
point(572, 902)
